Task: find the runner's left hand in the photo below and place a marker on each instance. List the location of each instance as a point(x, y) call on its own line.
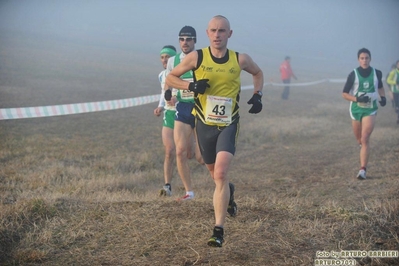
point(383, 101)
point(256, 102)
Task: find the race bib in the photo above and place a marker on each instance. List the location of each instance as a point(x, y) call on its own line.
point(187, 95)
point(218, 109)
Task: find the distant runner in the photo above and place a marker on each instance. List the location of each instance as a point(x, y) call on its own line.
point(393, 81)
point(363, 87)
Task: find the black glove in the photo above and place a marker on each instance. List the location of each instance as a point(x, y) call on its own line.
point(199, 86)
point(362, 98)
point(383, 101)
point(256, 102)
point(168, 95)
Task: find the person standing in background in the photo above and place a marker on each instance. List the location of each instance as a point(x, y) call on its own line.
point(393, 82)
point(362, 89)
point(286, 74)
point(217, 88)
point(168, 123)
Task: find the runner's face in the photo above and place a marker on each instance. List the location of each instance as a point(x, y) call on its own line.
point(218, 33)
point(364, 60)
point(164, 60)
point(187, 44)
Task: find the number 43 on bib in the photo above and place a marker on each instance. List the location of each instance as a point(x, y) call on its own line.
point(218, 109)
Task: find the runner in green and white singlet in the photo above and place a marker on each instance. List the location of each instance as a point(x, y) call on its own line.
point(184, 96)
point(184, 135)
point(168, 123)
point(362, 89)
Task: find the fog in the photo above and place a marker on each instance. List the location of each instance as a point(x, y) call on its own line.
point(322, 36)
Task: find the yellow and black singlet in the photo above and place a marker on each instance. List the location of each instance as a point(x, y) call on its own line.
point(219, 104)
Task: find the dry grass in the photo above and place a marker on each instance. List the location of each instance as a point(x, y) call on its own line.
point(82, 189)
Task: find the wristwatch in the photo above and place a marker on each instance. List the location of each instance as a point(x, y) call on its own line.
point(259, 93)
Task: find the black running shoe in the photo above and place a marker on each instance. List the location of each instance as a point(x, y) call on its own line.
point(217, 238)
point(215, 241)
point(232, 208)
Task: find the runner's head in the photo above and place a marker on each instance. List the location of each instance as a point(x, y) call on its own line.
point(166, 52)
point(219, 32)
point(187, 39)
point(364, 58)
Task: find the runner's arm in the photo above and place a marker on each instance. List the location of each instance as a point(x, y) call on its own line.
point(173, 78)
point(248, 65)
point(348, 86)
point(390, 80)
point(381, 90)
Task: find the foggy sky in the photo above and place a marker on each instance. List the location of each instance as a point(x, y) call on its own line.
point(317, 34)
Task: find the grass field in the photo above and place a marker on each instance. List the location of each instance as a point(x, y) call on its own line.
point(83, 189)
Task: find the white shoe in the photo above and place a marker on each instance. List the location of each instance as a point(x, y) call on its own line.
point(361, 174)
point(186, 197)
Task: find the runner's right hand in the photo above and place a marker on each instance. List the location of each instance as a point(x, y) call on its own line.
point(199, 86)
point(363, 98)
point(168, 95)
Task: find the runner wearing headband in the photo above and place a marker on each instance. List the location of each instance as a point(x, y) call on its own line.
point(168, 123)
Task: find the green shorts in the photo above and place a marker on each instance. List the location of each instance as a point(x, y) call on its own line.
point(357, 113)
point(169, 118)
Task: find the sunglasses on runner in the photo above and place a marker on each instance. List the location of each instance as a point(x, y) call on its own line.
point(187, 39)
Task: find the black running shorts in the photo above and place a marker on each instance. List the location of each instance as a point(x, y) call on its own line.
point(213, 139)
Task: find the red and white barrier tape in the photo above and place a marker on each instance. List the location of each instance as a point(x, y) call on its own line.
point(79, 108)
